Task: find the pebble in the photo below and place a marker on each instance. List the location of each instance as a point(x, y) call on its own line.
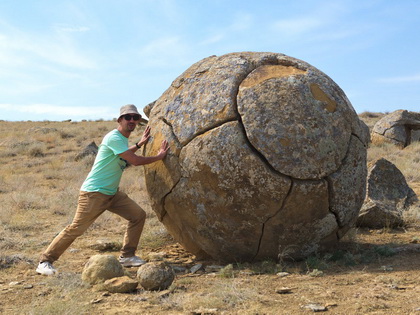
point(283, 274)
point(284, 290)
point(14, 283)
point(316, 307)
point(196, 268)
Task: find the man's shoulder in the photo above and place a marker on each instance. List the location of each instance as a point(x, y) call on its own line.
point(113, 135)
point(115, 141)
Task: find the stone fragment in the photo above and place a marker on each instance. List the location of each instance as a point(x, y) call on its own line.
point(120, 285)
point(316, 307)
point(284, 290)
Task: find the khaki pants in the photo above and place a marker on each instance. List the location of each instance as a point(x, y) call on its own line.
point(91, 205)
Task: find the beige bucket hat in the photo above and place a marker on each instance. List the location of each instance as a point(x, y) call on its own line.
point(129, 109)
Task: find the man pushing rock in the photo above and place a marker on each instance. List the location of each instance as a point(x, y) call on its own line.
point(99, 192)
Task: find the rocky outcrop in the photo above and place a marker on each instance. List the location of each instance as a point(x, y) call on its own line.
point(266, 154)
point(90, 149)
point(397, 127)
point(388, 196)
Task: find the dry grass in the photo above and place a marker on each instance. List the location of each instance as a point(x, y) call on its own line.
point(39, 184)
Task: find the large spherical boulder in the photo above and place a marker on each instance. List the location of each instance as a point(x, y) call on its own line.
point(267, 157)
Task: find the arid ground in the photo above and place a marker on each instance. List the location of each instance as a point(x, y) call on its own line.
point(370, 272)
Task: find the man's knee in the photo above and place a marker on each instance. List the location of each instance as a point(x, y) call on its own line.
point(75, 230)
point(140, 215)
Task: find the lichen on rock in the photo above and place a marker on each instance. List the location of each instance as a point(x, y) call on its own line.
point(266, 152)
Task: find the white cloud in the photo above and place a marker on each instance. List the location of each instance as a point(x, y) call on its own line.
point(71, 29)
point(18, 48)
point(58, 111)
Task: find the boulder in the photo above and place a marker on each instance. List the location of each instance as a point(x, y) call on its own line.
point(100, 268)
point(397, 127)
point(388, 196)
point(155, 276)
point(266, 154)
point(120, 285)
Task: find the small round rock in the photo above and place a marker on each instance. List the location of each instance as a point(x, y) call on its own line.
point(155, 276)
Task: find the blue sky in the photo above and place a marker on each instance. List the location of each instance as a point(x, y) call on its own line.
point(83, 59)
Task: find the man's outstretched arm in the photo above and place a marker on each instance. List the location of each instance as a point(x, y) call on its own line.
point(135, 159)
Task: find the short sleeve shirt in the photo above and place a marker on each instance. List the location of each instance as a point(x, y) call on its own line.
point(106, 172)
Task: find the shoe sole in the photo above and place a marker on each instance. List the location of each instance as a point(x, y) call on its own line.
point(131, 265)
point(45, 274)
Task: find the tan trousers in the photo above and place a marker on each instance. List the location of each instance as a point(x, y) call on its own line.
point(91, 205)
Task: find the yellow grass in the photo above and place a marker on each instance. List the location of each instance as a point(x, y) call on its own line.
point(39, 185)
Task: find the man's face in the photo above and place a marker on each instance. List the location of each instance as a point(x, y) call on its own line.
point(129, 121)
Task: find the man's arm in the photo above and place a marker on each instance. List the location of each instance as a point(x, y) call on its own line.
point(135, 159)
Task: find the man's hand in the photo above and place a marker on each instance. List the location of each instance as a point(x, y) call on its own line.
point(164, 147)
point(145, 137)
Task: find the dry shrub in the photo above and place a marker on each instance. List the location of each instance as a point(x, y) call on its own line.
point(370, 118)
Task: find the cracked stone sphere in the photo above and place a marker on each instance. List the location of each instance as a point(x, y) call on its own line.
point(267, 158)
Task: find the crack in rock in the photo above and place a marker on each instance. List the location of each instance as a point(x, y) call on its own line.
point(275, 214)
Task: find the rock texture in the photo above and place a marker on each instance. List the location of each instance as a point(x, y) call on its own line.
point(388, 196)
point(155, 276)
point(90, 149)
point(100, 268)
point(397, 128)
point(267, 155)
point(120, 285)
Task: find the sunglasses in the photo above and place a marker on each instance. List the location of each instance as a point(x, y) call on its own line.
point(128, 117)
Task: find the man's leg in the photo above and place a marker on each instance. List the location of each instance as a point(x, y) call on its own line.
point(90, 206)
point(128, 209)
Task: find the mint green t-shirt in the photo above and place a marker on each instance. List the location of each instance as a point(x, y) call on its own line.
point(108, 167)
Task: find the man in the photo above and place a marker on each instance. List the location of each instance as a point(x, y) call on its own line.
point(99, 192)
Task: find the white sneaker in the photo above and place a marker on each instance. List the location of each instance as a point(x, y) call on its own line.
point(133, 261)
point(46, 268)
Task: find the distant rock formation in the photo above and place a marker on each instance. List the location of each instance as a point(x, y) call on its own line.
point(267, 157)
point(388, 196)
point(397, 128)
point(90, 149)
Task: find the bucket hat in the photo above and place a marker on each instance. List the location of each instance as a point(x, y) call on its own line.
point(129, 109)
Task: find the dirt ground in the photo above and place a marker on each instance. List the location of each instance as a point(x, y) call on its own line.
point(387, 284)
